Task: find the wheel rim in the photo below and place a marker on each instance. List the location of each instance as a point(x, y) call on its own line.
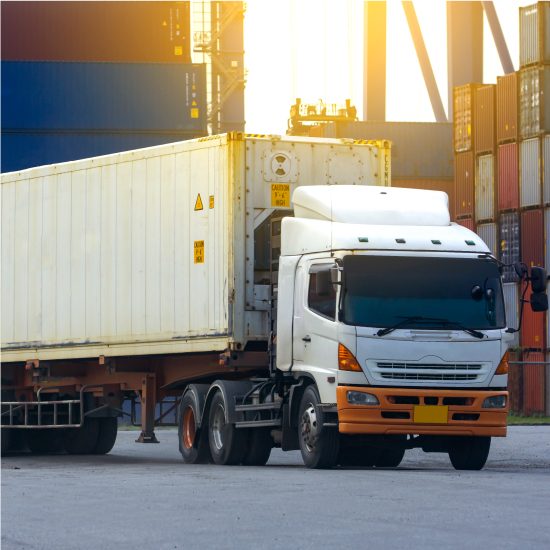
point(310, 428)
point(189, 430)
point(217, 425)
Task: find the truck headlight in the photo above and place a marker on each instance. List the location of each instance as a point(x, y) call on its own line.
point(362, 398)
point(494, 402)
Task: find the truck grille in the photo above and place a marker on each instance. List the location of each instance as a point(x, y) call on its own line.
point(450, 372)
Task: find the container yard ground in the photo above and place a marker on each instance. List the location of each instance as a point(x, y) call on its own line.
point(142, 496)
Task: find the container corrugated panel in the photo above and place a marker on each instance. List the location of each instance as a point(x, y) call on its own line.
point(489, 235)
point(509, 244)
point(534, 101)
point(515, 389)
point(507, 108)
point(534, 383)
point(534, 34)
point(485, 188)
point(469, 223)
point(532, 237)
point(548, 382)
point(546, 170)
point(511, 303)
point(484, 119)
point(103, 96)
point(530, 192)
point(140, 252)
point(508, 177)
point(464, 184)
point(445, 185)
point(547, 239)
point(139, 32)
point(463, 102)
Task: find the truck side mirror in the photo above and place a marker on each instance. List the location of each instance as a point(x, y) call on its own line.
point(322, 283)
point(539, 301)
point(538, 279)
point(521, 270)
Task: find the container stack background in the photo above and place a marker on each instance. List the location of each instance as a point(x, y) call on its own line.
point(502, 191)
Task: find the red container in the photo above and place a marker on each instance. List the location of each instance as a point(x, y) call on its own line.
point(484, 119)
point(534, 380)
point(515, 386)
point(508, 177)
point(532, 237)
point(464, 184)
point(469, 223)
point(532, 334)
point(507, 108)
point(141, 32)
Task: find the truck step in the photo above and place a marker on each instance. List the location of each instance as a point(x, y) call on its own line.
point(276, 422)
point(258, 407)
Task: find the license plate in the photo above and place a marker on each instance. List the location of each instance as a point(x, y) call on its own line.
point(431, 414)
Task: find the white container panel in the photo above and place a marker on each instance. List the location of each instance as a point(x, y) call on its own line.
point(488, 232)
point(511, 305)
point(530, 173)
point(534, 30)
point(546, 173)
point(485, 188)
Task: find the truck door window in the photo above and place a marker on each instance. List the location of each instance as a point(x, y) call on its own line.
point(321, 303)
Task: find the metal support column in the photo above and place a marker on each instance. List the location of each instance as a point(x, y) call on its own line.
point(374, 61)
point(148, 404)
point(498, 37)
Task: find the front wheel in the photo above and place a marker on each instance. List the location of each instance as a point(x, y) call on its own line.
point(319, 445)
point(469, 453)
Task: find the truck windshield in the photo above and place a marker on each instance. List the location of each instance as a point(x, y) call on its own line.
point(382, 291)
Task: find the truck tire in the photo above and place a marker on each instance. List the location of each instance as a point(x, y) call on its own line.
point(469, 453)
point(259, 448)
point(45, 441)
point(391, 454)
point(319, 446)
point(106, 438)
point(227, 443)
point(193, 443)
point(82, 441)
point(6, 435)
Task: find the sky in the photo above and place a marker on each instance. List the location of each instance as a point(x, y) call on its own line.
point(313, 49)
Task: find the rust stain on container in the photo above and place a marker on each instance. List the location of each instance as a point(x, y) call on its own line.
point(445, 185)
point(507, 108)
point(464, 184)
point(534, 381)
point(508, 177)
point(155, 32)
point(484, 119)
point(463, 102)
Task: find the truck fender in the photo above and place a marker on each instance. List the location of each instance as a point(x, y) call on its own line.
point(295, 397)
point(199, 392)
point(230, 390)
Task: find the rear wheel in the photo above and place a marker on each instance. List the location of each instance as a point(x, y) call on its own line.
point(469, 453)
point(319, 445)
point(192, 442)
point(46, 440)
point(227, 443)
point(106, 438)
point(259, 448)
point(83, 440)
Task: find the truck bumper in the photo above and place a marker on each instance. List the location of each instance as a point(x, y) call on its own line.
point(422, 412)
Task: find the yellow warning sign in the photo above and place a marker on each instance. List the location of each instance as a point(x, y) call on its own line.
point(194, 112)
point(211, 201)
point(198, 252)
point(280, 195)
point(198, 203)
point(178, 50)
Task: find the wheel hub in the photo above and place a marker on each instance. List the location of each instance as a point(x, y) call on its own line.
point(310, 428)
point(216, 429)
point(189, 430)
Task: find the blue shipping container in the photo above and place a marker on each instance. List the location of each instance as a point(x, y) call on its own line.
point(103, 96)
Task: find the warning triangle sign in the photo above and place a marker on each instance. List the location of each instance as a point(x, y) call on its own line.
point(198, 203)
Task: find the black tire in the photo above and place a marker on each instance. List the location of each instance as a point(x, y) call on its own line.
point(389, 458)
point(7, 436)
point(227, 443)
point(469, 453)
point(193, 442)
point(319, 445)
point(259, 448)
point(106, 438)
point(46, 440)
point(82, 441)
point(358, 450)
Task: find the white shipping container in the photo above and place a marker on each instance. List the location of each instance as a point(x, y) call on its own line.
point(534, 34)
point(511, 304)
point(529, 173)
point(534, 101)
point(546, 176)
point(152, 251)
point(488, 232)
point(485, 188)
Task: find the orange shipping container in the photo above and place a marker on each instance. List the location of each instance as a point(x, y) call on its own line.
point(484, 119)
point(534, 381)
point(515, 390)
point(464, 184)
point(463, 103)
point(507, 108)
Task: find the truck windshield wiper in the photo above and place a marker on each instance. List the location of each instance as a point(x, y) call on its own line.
point(437, 320)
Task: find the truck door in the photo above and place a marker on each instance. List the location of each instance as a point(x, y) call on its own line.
point(315, 338)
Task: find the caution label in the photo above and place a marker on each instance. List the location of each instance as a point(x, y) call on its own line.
point(211, 202)
point(280, 195)
point(198, 252)
point(198, 203)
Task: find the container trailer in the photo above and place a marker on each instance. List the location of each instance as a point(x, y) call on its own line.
point(279, 287)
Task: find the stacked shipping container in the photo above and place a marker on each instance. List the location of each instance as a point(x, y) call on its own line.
point(502, 190)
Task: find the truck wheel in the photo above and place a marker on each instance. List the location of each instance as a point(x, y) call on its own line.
point(82, 441)
point(227, 443)
point(469, 453)
point(193, 444)
point(260, 444)
point(389, 458)
point(319, 446)
point(108, 428)
point(45, 441)
point(6, 435)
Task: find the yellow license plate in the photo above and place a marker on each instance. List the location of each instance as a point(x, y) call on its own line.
point(431, 414)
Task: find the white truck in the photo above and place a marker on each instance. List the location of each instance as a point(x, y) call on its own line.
point(364, 324)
